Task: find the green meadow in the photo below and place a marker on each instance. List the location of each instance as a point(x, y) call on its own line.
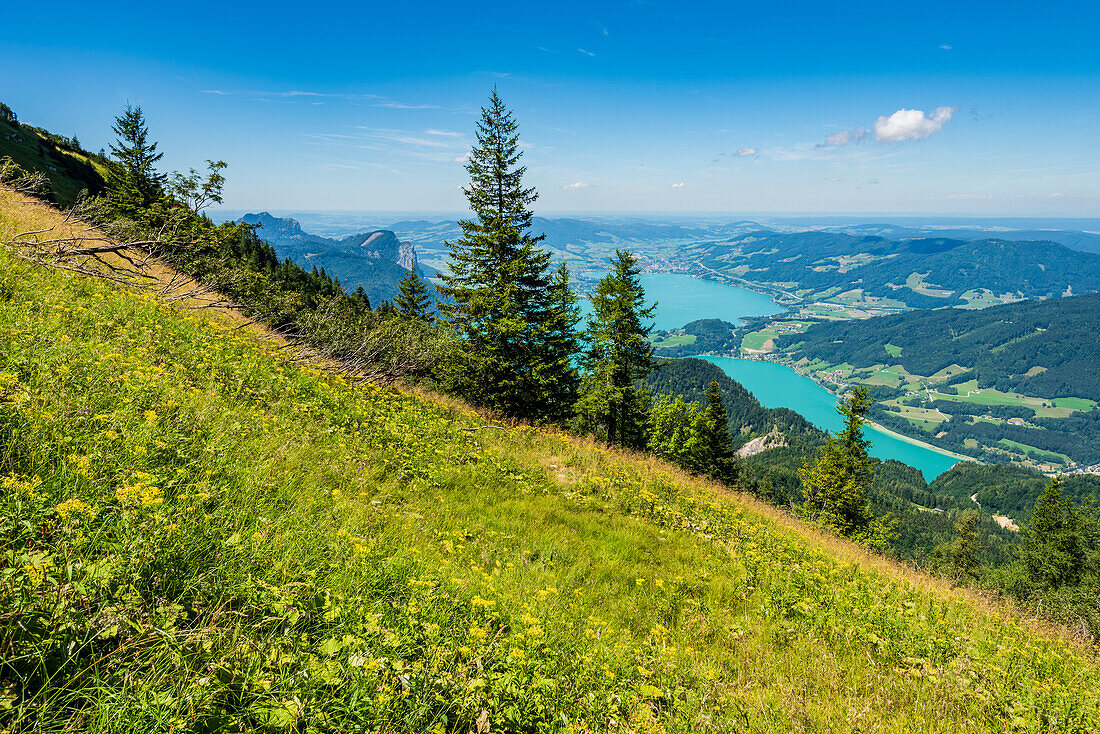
point(202, 534)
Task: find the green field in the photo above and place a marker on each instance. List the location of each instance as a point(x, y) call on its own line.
point(672, 340)
point(757, 340)
point(1047, 455)
point(923, 417)
point(1043, 407)
point(203, 535)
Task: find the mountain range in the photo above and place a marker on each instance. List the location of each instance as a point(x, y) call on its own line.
point(375, 261)
point(919, 273)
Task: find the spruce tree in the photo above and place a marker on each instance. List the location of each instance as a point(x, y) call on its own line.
point(1053, 550)
point(964, 551)
point(613, 403)
point(501, 301)
point(133, 183)
point(413, 301)
point(835, 486)
point(561, 377)
point(719, 460)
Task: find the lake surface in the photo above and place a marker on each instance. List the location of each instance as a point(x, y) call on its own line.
point(682, 299)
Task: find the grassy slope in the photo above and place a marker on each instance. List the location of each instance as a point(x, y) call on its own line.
point(69, 172)
point(198, 535)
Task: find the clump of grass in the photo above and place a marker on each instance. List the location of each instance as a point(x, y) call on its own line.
point(197, 535)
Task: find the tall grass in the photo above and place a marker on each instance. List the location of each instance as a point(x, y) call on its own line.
point(196, 535)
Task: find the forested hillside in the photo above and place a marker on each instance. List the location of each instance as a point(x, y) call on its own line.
point(922, 273)
point(1009, 490)
point(747, 417)
point(1044, 348)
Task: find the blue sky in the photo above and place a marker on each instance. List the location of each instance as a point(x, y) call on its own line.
point(918, 107)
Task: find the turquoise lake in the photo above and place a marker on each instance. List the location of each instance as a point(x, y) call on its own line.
point(682, 299)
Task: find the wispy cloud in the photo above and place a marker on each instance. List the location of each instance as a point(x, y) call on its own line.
point(585, 52)
point(405, 106)
point(575, 186)
point(376, 100)
point(844, 137)
point(945, 47)
point(746, 153)
point(405, 137)
point(678, 185)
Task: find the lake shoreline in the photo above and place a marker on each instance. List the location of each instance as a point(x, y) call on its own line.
point(877, 426)
point(918, 442)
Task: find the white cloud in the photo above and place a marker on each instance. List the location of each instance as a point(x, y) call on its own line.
point(745, 152)
point(678, 185)
point(981, 197)
point(945, 47)
point(585, 52)
point(462, 158)
point(911, 124)
point(446, 133)
point(575, 186)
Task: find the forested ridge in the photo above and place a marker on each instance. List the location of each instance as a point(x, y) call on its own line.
point(820, 261)
point(1000, 344)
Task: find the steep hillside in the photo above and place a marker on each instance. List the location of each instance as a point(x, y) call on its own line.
point(69, 168)
point(199, 535)
point(1008, 490)
point(375, 261)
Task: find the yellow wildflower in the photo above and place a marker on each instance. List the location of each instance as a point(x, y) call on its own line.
point(73, 507)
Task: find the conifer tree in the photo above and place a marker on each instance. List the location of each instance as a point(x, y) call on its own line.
point(613, 403)
point(413, 301)
point(835, 485)
point(133, 183)
point(1054, 541)
point(562, 344)
point(964, 551)
point(718, 457)
point(501, 301)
